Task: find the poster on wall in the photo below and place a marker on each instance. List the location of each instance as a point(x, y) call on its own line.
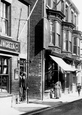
point(16, 73)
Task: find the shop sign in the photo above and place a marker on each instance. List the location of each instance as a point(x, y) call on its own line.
point(9, 45)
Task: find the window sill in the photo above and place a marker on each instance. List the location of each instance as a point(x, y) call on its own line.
point(4, 35)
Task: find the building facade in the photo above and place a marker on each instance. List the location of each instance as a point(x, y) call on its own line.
point(13, 15)
point(54, 36)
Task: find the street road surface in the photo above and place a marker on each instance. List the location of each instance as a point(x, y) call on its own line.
point(73, 108)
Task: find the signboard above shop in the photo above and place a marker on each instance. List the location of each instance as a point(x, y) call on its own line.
point(10, 45)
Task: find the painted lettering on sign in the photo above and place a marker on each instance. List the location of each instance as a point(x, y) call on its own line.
point(9, 44)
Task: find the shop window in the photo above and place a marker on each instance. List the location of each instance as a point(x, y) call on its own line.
point(50, 73)
point(3, 66)
point(4, 74)
point(5, 18)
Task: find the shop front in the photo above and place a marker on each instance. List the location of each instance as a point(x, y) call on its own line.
point(58, 70)
point(9, 51)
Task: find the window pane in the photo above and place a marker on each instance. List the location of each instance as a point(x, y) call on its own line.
point(66, 13)
point(0, 60)
point(75, 40)
point(66, 45)
point(5, 70)
point(53, 38)
point(75, 49)
point(0, 70)
point(78, 42)
point(70, 36)
point(58, 27)
point(5, 61)
point(52, 32)
point(4, 17)
point(49, 2)
point(57, 39)
point(64, 40)
point(70, 46)
point(78, 50)
point(54, 4)
point(72, 16)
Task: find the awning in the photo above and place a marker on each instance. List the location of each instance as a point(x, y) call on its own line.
point(63, 64)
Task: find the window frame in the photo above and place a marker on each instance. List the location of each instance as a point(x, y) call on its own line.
point(75, 45)
point(70, 41)
point(52, 32)
point(66, 12)
point(58, 33)
point(5, 18)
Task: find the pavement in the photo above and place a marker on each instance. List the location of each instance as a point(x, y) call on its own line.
point(9, 108)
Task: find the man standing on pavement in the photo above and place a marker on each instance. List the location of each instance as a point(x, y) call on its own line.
point(78, 88)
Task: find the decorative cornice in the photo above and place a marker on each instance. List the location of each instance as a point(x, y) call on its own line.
point(77, 32)
point(55, 12)
point(69, 24)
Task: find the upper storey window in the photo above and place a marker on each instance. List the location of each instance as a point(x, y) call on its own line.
point(55, 33)
point(55, 4)
point(5, 18)
point(72, 16)
point(58, 34)
point(66, 12)
point(76, 46)
point(48, 2)
point(52, 32)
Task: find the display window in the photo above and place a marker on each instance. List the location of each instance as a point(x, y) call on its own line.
point(4, 74)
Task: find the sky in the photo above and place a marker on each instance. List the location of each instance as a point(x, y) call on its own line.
point(78, 4)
